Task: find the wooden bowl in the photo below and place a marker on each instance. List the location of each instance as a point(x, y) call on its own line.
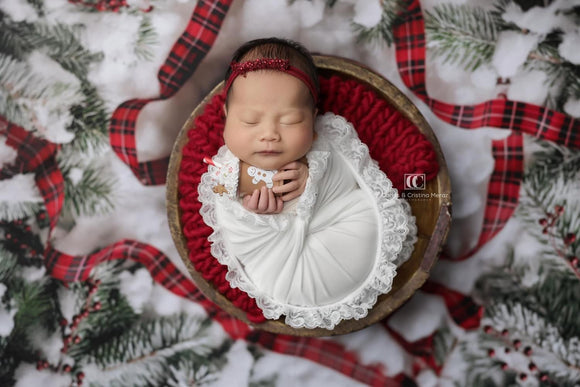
point(433, 214)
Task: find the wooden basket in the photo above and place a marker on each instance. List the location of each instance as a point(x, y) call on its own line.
point(433, 215)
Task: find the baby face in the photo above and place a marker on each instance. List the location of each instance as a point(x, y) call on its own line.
point(269, 119)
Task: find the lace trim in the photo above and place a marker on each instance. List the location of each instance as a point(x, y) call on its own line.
point(397, 228)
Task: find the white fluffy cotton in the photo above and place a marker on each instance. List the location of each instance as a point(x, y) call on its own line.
point(67, 301)
point(484, 77)
point(7, 153)
point(20, 188)
point(6, 315)
point(49, 344)
point(31, 273)
point(136, 287)
point(572, 107)
point(309, 12)
point(367, 13)
point(570, 47)
point(18, 10)
point(541, 20)
point(529, 87)
point(27, 375)
point(511, 51)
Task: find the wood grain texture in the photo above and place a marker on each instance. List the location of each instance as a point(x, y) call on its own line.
point(433, 215)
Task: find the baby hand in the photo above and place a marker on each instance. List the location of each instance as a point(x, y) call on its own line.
point(263, 201)
point(297, 174)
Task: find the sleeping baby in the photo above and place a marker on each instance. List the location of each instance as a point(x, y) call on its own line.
point(304, 219)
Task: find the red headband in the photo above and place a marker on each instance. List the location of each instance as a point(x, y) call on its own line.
point(270, 64)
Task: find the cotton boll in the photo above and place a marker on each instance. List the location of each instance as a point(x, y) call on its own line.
point(48, 344)
point(18, 10)
point(528, 87)
point(31, 273)
point(6, 316)
point(572, 107)
point(164, 302)
point(279, 19)
point(484, 77)
point(367, 13)
point(570, 47)
point(7, 153)
point(136, 288)
point(26, 375)
point(309, 12)
point(67, 301)
point(20, 188)
point(541, 20)
point(419, 317)
point(427, 378)
point(511, 51)
point(375, 346)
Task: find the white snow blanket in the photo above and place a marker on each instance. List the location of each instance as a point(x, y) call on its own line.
point(327, 257)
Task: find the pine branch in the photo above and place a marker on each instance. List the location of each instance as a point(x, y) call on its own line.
point(63, 46)
point(146, 354)
point(462, 34)
point(91, 195)
point(90, 122)
point(146, 37)
point(383, 31)
point(13, 40)
point(10, 211)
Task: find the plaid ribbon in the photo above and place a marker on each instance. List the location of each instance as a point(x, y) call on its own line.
point(185, 55)
point(39, 156)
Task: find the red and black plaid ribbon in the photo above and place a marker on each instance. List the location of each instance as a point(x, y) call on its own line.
point(38, 156)
point(187, 52)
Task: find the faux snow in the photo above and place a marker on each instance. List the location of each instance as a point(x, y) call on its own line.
point(511, 51)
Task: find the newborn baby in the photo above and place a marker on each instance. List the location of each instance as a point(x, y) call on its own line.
point(322, 236)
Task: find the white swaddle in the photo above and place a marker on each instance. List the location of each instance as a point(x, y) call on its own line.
point(327, 257)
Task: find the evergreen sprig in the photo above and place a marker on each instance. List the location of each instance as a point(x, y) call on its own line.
point(462, 34)
point(382, 32)
point(151, 350)
point(146, 37)
point(91, 195)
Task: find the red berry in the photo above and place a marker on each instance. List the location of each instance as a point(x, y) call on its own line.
point(66, 368)
point(8, 235)
point(39, 365)
point(532, 367)
point(545, 231)
point(507, 350)
point(77, 339)
point(488, 329)
point(504, 366)
point(570, 238)
point(528, 351)
point(97, 306)
point(543, 222)
point(573, 260)
point(517, 344)
point(559, 210)
point(490, 352)
point(80, 376)
point(504, 332)
point(42, 216)
point(523, 376)
point(63, 322)
point(64, 349)
point(45, 364)
point(97, 282)
point(543, 376)
point(66, 340)
point(85, 313)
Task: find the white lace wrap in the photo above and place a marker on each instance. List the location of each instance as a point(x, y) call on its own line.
point(330, 256)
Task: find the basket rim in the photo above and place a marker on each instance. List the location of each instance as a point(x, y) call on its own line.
point(386, 90)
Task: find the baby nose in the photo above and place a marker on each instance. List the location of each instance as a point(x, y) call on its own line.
point(270, 133)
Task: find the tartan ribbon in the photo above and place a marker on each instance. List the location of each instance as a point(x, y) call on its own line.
point(39, 156)
point(187, 52)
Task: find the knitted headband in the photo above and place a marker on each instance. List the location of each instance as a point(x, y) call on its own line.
point(270, 64)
